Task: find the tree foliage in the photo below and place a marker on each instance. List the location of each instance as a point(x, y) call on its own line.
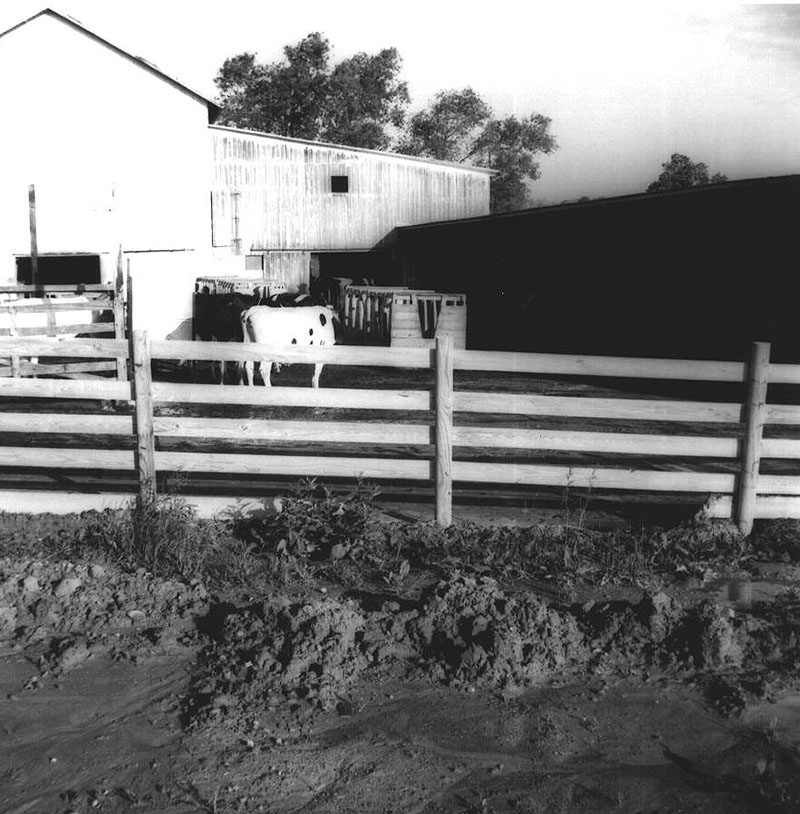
point(680, 172)
point(460, 126)
point(448, 127)
point(303, 96)
point(361, 101)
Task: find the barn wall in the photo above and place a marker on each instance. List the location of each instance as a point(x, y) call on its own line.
point(117, 154)
point(292, 268)
point(277, 194)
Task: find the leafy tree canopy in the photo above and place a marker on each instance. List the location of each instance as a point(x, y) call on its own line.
point(680, 172)
point(303, 96)
point(460, 126)
point(360, 101)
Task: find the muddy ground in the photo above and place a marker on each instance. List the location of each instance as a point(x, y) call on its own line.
point(441, 690)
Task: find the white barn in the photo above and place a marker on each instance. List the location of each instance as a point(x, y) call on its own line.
point(118, 154)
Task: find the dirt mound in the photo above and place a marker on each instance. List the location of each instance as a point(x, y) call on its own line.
point(659, 631)
point(267, 655)
point(465, 631)
point(469, 631)
point(80, 608)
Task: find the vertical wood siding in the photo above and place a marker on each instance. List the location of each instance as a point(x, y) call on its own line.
point(286, 200)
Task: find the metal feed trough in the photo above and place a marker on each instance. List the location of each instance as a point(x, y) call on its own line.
point(253, 286)
point(213, 294)
point(402, 317)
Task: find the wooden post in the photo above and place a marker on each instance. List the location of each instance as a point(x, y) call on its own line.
point(129, 299)
point(443, 463)
point(34, 238)
point(757, 380)
point(119, 315)
point(237, 237)
point(143, 400)
point(12, 317)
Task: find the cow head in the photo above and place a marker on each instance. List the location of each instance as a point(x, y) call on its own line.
point(338, 330)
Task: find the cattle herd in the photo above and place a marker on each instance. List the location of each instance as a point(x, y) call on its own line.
point(278, 321)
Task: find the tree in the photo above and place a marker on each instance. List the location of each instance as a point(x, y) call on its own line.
point(680, 172)
point(447, 129)
point(353, 103)
point(358, 103)
point(459, 126)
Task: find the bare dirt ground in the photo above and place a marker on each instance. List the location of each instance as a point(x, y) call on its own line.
point(440, 691)
point(448, 685)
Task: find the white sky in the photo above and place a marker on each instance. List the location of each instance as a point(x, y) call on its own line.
point(626, 85)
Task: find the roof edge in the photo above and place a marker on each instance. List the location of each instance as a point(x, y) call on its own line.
point(213, 108)
point(616, 199)
point(370, 151)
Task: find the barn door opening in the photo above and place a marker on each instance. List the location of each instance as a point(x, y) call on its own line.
point(63, 269)
point(327, 268)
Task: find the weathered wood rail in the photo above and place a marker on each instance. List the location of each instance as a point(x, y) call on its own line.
point(49, 310)
point(434, 420)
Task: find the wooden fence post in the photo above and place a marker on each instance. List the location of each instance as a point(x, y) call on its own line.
point(34, 238)
point(119, 315)
point(143, 401)
point(757, 380)
point(443, 357)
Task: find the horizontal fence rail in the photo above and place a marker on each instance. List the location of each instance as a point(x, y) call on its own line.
point(605, 366)
point(439, 432)
point(31, 313)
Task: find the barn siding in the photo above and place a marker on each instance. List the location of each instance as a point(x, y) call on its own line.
point(117, 154)
point(286, 203)
point(121, 155)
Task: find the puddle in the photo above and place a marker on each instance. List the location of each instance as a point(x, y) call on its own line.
point(781, 719)
point(743, 593)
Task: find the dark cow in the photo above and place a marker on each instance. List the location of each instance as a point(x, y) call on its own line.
point(218, 318)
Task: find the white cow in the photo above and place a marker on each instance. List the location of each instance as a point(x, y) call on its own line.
point(281, 328)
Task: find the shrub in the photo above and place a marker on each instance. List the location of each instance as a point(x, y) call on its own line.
point(316, 524)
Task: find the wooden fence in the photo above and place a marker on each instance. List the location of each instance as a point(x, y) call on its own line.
point(453, 426)
point(61, 311)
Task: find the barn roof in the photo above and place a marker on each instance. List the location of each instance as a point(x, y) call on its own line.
point(331, 145)
point(710, 192)
point(213, 108)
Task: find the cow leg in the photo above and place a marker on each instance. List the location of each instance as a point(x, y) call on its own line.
point(266, 372)
point(249, 372)
point(317, 372)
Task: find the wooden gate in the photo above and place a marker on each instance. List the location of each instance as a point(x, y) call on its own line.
point(62, 312)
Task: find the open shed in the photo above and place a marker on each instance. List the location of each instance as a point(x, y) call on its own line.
point(698, 272)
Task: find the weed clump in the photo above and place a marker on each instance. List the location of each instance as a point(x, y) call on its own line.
point(315, 523)
point(778, 540)
point(166, 539)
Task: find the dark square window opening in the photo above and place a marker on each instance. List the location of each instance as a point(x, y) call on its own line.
point(340, 183)
point(69, 269)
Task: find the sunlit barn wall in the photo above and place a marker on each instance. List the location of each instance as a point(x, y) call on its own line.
point(118, 156)
point(122, 155)
point(273, 194)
